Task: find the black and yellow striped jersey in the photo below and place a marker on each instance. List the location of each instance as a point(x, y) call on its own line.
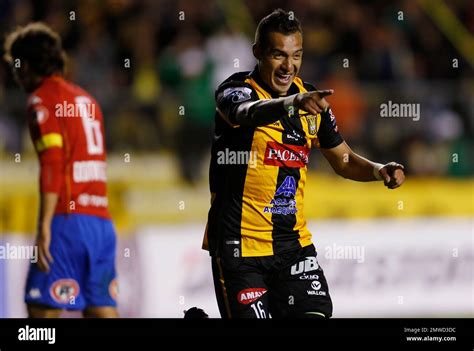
point(258, 173)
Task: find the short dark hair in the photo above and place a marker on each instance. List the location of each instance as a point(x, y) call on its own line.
point(39, 46)
point(278, 21)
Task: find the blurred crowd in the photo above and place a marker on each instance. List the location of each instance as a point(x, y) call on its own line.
point(154, 65)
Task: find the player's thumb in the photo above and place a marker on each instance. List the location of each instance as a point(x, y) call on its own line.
point(323, 93)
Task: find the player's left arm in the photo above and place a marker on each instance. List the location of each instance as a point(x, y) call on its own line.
point(350, 165)
point(48, 141)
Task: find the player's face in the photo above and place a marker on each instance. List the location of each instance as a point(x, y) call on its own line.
point(280, 62)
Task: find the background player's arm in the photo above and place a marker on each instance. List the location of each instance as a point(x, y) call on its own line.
point(48, 202)
point(348, 164)
point(48, 141)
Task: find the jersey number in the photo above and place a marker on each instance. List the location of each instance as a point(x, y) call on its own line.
point(258, 309)
point(92, 131)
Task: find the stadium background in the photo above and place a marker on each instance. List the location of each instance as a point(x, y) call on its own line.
point(153, 66)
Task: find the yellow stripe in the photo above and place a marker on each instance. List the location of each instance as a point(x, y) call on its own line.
point(256, 226)
point(262, 94)
point(49, 140)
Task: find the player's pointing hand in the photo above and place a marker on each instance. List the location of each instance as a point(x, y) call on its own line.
point(313, 102)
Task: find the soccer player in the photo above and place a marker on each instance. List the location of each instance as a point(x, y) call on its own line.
point(263, 259)
point(75, 238)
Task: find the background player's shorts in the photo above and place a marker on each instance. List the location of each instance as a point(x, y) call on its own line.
point(291, 284)
point(83, 272)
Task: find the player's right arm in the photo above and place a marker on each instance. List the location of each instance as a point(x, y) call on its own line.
point(238, 105)
point(48, 141)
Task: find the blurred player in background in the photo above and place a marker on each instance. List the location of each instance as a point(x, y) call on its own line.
point(76, 238)
point(263, 258)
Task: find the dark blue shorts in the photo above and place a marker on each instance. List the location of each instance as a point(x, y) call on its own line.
point(83, 272)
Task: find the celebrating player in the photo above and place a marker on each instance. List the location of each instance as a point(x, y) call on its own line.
point(76, 239)
point(263, 259)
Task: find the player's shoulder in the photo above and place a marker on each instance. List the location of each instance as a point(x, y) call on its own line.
point(307, 85)
point(237, 77)
point(235, 80)
point(48, 93)
point(236, 89)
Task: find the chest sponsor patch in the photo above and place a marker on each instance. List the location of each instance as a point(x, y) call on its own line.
point(284, 155)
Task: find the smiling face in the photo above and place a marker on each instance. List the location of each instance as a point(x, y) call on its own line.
point(280, 61)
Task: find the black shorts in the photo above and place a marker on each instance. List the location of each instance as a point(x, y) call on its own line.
point(291, 284)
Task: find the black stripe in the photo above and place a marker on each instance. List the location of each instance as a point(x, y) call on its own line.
point(227, 181)
point(285, 238)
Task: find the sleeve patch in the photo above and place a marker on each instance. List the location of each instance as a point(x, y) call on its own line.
point(333, 120)
point(238, 94)
point(41, 114)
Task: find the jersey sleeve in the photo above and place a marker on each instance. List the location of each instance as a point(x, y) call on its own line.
point(229, 96)
point(328, 135)
point(47, 138)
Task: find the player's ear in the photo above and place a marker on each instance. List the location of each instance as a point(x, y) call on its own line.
point(257, 53)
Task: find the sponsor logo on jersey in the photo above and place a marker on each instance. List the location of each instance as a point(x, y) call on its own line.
point(317, 293)
point(247, 296)
point(89, 171)
point(285, 205)
point(64, 291)
point(92, 200)
point(284, 155)
point(316, 285)
point(309, 264)
point(309, 277)
point(238, 94)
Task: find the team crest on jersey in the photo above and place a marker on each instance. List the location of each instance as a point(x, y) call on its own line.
point(312, 128)
point(41, 114)
point(64, 291)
